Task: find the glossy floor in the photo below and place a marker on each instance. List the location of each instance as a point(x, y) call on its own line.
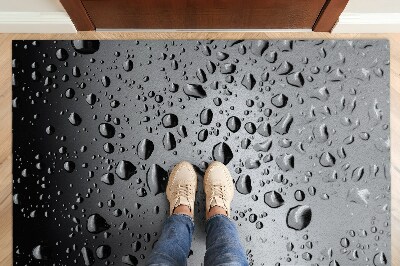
point(6, 111)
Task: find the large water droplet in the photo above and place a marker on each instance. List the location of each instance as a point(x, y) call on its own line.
point(273, 199)
point(258, 47)
point(283, 125)
point(201, 75)
point(357, 173)
point(359, 196)
point(128, 65)
point(321, 133)
point(380, 259)
point(221, 56)
point(91, 98)
point(103, 251)
point(327, 159)
point(136, 245)
point(70, 93)
point(170, 120)
point(173, 87)
point(96, 224)
point(76, 72)
point(271, 57)
point(227, 68)
point(203, 134)
point(145, 149)
point(194, 90)
point(285, 143)
point(182, 131)
point(130, 260)
point(306, 256)
point(107, 130)
point(299, 217)
point(62, 54)
point(36, 75)
point(75, 119)
point(285, 162)
point(264, 129)
point(222, 153)
point(86, 46)
point(250, 127)
point(344, 242)
point(299, 195)
point(105, 81)
point(233, 124)
point(248, 81)
point(41, 252)
point(210, 67)
point(243, 184)
point(245, 143)
point(107, 178)
point(125, 170)
point(284, 68)
point(108, 147)
point(87, 255)
point(157, 179)
point(169, 141)
point(296, 79)
point(263, 146)
point(69, 166)
point(252, 164)
point(206, 116)
point(50, 130)
point(334, 263)
point(279, 100)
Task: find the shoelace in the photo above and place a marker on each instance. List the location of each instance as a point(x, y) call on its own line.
point(183, 190)
point(218, 191)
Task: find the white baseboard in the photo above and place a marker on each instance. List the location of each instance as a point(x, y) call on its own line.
point(59, 22)
point(368, 23)
point(36, 22)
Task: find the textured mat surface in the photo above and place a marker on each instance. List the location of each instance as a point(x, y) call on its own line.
point(302, 125)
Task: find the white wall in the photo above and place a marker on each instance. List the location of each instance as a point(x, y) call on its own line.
point(31, 6)
point(369, 16)
point(372, 6)
point(38, 16)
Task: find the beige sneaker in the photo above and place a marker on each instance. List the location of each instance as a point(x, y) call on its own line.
point(182, 185)
point(218, 187)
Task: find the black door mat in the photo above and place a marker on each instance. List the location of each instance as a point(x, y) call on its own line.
point(302, 125)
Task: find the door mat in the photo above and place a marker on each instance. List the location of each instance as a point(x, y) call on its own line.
point(303, 127)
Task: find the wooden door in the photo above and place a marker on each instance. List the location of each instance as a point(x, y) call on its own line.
point(319, 15)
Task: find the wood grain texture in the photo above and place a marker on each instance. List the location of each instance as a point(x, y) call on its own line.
point(329, 15)
point(78, 15)
point(5, 113)
point(203, 14)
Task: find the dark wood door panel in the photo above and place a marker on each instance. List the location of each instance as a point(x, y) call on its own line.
point(329, 15)
point(78, 14)
point(203, 14)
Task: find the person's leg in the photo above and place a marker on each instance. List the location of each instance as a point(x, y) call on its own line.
point(223, 242)
point(173, 246)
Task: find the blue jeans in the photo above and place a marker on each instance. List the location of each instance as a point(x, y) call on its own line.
point(222, 242)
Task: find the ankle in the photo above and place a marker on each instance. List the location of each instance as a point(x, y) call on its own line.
point(183, 209)
point(215, 210)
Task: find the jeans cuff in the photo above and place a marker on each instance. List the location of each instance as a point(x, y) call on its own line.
point(185, 216)
point(217, 215)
